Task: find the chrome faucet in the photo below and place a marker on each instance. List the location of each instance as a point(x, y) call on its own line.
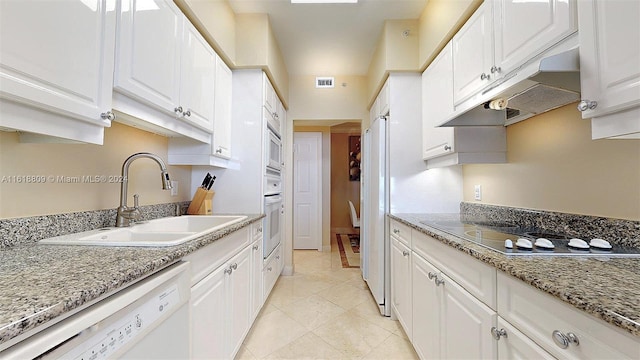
point(125, 214)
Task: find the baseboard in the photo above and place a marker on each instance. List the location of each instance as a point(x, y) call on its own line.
point(287, 271)
point(326, 248)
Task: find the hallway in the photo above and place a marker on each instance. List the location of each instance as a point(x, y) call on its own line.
point(323, 311)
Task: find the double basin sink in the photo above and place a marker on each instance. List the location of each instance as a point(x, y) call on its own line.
point(169, 231)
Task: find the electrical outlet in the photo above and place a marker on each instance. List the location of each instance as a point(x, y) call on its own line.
point(477, 192)
point(174, 188)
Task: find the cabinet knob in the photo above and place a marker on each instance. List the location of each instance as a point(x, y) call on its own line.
point(563, 341)
point(396, 231)
point(484, 76)
point(439, 281)
point(218, 151)
point(187, 113)
point(108, 116)
point(269, 268)
point(498, 333)
point(495, 69)
point(234, 266)
point(228, 271)
point(447, 148)
point(405, 253)
point(432, 275)
point(255, 247)
point(585, 105)
point(259, 230)
point(178, 110)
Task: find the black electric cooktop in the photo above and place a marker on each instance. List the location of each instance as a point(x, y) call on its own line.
point(493, 235)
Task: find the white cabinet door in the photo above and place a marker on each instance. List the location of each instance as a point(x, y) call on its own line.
point(473, 54)
point(222, 122)
point(401, 284)
point(437, 105)
point(609, 55)
point(197, 79)
point(270, 96)
point(58, 56)
point(208, 314)
point(256, 278)
point(239, 299)
point(465, 324)
point(148, 52)
point(383, 105)
point(426, 302)
point(524, 29)
point(515, 345)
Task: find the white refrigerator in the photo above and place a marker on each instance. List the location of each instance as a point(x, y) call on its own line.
point(396, 180)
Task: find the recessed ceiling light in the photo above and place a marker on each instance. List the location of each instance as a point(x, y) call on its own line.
point(324, 1)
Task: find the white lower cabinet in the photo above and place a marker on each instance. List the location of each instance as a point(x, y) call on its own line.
point(401, 286)
point(226, 292)
point(448, 322)
point(513, 344)
point(272, 268)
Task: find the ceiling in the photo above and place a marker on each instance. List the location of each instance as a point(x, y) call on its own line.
point(329, 39)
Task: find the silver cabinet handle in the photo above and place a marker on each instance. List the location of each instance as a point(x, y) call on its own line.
point(563, 341)
point(405, 253)
point(278, 257)
point(484, 76)
point(187, 113)
point(439, 281)
point(432, 275)
point(585, 105)
point(495, 69)
point(219, 151)
point(498, 333)
point(259, 230)
point(109, 115)
point(178, 110)
point(255, 247)
point(234, 266)
point(228, 271)
point(269, 268)
point(396, 231)
point(447, 148)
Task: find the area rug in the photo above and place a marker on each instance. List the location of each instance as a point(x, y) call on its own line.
point(349, 246)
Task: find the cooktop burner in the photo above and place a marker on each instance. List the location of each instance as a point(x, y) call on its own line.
point(511, 239)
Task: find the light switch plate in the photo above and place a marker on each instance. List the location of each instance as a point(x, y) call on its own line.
point(174, 188)
point(477, 192)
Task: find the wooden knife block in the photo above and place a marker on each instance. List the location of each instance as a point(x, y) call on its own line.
point(201, 203)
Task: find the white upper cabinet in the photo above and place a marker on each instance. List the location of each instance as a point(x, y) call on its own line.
point(56, 67)
point(165, 71)
point(609, 71)
point(503, 35)
point(222, 124)
point(437, 105)
point(473, 53)
point(523, 29)
point(197, 80)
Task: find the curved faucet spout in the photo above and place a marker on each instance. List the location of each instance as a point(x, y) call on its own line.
point(125, 214)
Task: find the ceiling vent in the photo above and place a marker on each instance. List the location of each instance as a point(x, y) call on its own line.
point(324, 82)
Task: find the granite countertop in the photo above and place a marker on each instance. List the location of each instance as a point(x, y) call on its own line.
point(43, 282)
point(607, 288)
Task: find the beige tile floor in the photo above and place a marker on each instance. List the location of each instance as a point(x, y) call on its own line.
point(323, 312)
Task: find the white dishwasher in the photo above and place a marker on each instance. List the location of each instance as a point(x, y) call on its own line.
point(148, 320)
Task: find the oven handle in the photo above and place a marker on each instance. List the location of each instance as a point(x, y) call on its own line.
point(272, 199)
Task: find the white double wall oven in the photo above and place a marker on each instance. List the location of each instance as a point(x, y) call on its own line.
point(273, 198)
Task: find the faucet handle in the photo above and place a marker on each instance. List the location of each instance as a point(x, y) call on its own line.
point(136, 203)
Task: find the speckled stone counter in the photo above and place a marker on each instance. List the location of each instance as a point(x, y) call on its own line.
point(40, 283)
point(607, 288)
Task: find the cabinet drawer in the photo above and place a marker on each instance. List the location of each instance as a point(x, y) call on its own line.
point(401, 232)
point(256, 230)
point(271, 271)
point(205, 260)
point(538, 315)
point(473, 275)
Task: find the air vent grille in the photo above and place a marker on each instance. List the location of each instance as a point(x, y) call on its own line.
point(324, 82)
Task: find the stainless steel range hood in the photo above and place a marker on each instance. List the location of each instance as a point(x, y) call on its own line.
point(536, 87)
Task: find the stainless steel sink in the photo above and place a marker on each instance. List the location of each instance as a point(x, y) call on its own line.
point(159, 232)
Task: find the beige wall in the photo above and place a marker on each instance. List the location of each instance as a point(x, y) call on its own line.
point(77, 160)
point(256, 46)
point(309, 103)
point(342, 189)
point(554, 165)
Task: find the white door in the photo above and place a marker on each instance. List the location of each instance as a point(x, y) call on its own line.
point(426, 302)
point(307, 172)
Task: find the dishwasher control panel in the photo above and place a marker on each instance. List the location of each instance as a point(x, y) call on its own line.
point(106, 338)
